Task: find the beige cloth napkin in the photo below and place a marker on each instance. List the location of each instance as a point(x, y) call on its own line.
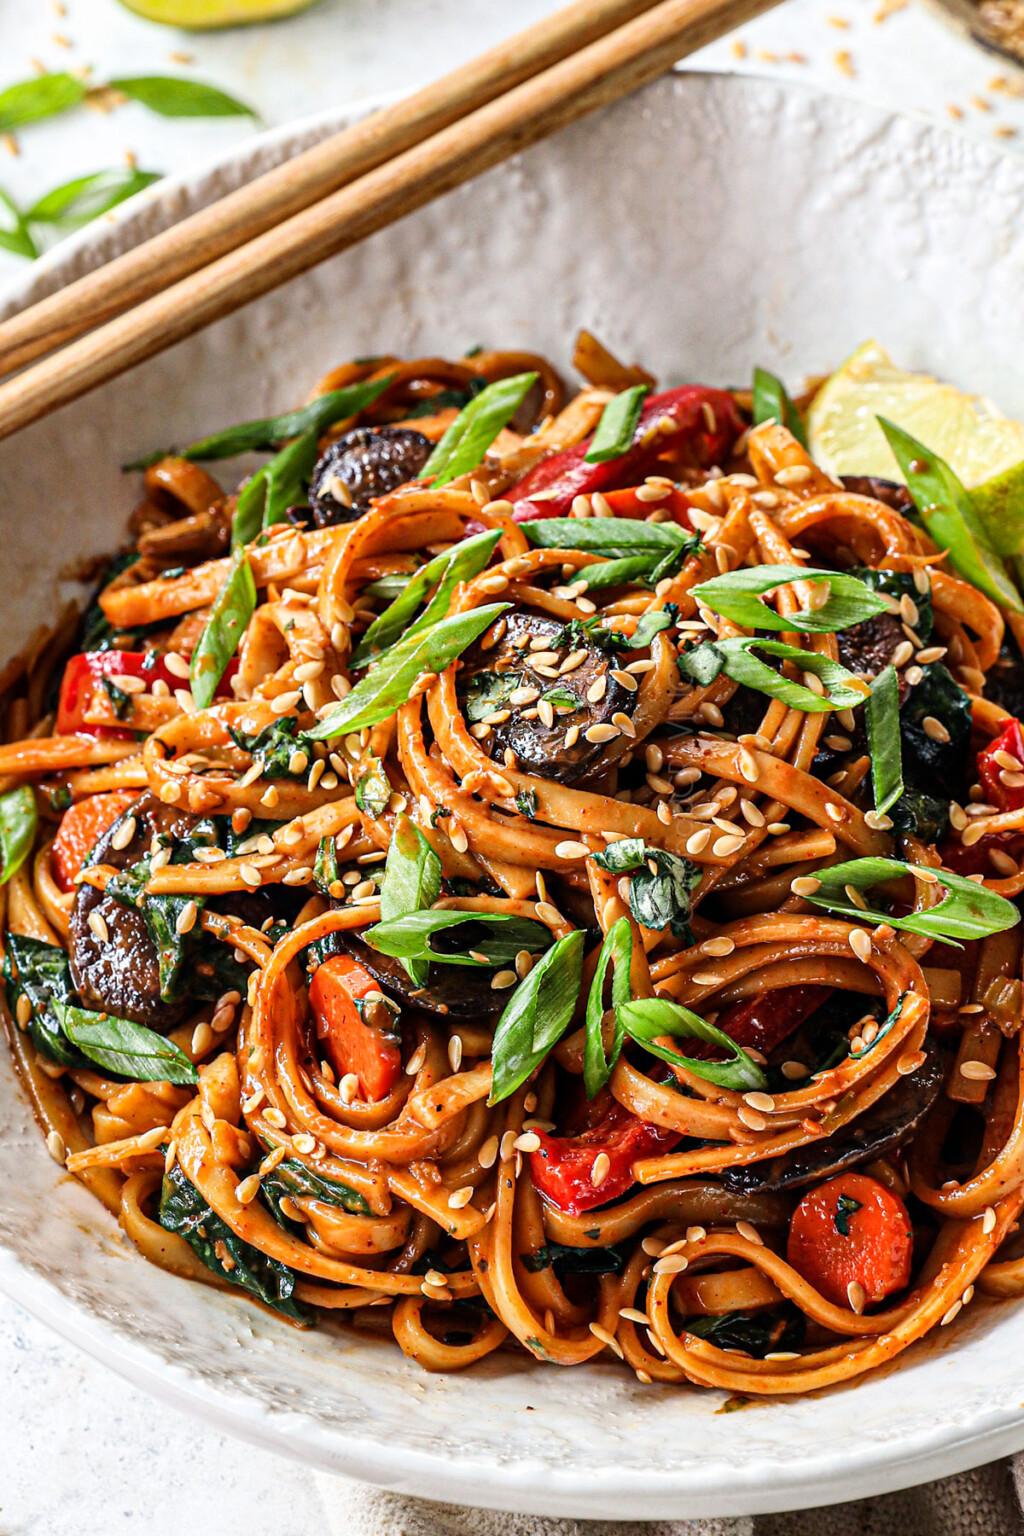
point(985, 1502)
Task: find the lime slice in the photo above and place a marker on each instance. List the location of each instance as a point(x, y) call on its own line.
point(984, 448)
point(198, 15)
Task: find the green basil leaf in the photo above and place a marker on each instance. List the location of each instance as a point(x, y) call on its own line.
point(271, 431)
point(536, 1016)
point(648, 625)
point(85, 198)
point(460, 563)
point(616, 949)
point(735, 658)
point(234, 606)
point(882, 719)
point(30, 100)
point(616, 536)
point(969, 911)
point(274, 746)
point(373, 789)
point(16, 237)
point(412, 883)
point(650, 1017)
point(388, 682)
point(846, 1207)
point(617, 427)
point(660, 890)
point(126, 1049)
point(772, 403)
point(473, 431)
point(408, 937)
point(18, 821)
point(171, 96)
point(42, 974)
point(948, 514)
point(736, 596)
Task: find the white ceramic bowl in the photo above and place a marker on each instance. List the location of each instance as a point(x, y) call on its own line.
point(705, 225)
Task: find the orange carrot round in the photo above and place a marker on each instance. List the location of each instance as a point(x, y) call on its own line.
point(852, 1231)
point(81, 828)
point(358, 1030)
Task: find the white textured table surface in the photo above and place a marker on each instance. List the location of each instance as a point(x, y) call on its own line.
point(84, 1452)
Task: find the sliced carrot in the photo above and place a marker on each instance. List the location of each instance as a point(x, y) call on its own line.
point(358, 1036)
point(81, 828)
point(852, 1231)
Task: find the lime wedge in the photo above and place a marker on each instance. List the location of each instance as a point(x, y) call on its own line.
point(199, 15)
point(984, 448)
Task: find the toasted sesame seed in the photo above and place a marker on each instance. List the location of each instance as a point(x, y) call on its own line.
point(934, 728)
point(698, 841)
point(671, 1264)
point(634, 1315)
point(529, 1141)
point(460, 1197)
point(720, 946)
point(186, 918)
point(860, 943)
point(601, 733)
point(56, 1148)
point(457, 837)
point(349, 1087)
point(751, 1119)
point(417, 1059)
point(977, 1071)
point(748, 765)
point(624, 723)
point(856, 1296)
point(524, 963)
point(988, 1220)
point(571, 850)
point(805, 885)
point(929, 654)
point(503, 979)
point(124, 834)
point(795, 474)
point(910, 1062)
point(248, 1189)
point(626, 679)
point(877, 821)
point(724, 846)
point(762, 1101)
point(548, 913)
point(23, 1012)
point(951, 1314)
point(902, 654)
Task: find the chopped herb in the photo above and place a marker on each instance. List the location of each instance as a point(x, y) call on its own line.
point(846, 1208)
point(373, 789)
point(120, 701)
point(659, 898)
point(526, 804)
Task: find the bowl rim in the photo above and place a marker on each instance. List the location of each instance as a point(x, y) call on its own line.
point(765, 1485)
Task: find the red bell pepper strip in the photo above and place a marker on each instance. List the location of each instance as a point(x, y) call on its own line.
point(563, 1166)
point(705, 425)
point(625, 503)
point(765, 1021)
point(83, 677)
point(357, 1036)
point(993, 774)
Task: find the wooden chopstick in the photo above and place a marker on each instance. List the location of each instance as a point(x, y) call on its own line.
point(592, 77)
point(288, 188)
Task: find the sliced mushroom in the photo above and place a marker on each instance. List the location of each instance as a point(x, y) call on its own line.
point(512, 686)
point(891, 492)
point(369, 462)
point(120, 974)
point(884, 1126)
point(457, 991)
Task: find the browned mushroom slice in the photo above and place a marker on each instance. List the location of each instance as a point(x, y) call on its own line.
point(457, 991)
point(552, 704)
point(368, 462)
point(887, 1124)
point(890, 491)
point(114, 963)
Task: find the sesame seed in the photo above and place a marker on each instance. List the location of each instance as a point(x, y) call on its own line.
point(795, 474)
point(247, 1190)
point(934, 728)
point(951, 1314)
point(988, 1220)
point(285, 701)
point(56, 1148)
point(124, 834)
point(910, 1062)
point(724, 846)
point(98, 927)
point(748, 765)
point(529, 1141)
point(349, 1087)
point(877, 821)
point(548, 913)
point(929, 654)
point(502, 980)
point(601, 733)
point(860, 943)
point(460, 1197)
point(977, 1071)
point(671, 1264)
point(857, 1296)
point(698, 841)
point(457, 837)
point(624, 723)
point(571, 850)
point(607, 1338)
point(721, 946)
point(902, 654)
point(626, 679)
point(634, 1315)
point(751, 1119)
point(186, 918)
point(176, 665)
point(805, 885)
point(762, 1101)
point(455, 1052)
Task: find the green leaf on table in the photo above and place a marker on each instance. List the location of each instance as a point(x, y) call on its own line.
point(615, 431)
point(650, 1018)
point(269, 432)
point(473, 431)
point(616, 950)
point(772, 403)
point(233, 607)
point(461, 562)
point(882, 719)
point(171, 96)
point(408, 937)
point(968, 911)
point(737, 596)
point(18, 822)
point(949, 516)
point(86, 197)
point(390, 679)
point(124, 1048)
point(29, 100)
point(536, 1016)
point(703, 663)
point(412, 883)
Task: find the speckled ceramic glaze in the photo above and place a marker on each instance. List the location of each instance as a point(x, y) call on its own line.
point(706, 224)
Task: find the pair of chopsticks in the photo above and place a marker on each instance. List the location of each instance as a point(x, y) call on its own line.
point(340, 191)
